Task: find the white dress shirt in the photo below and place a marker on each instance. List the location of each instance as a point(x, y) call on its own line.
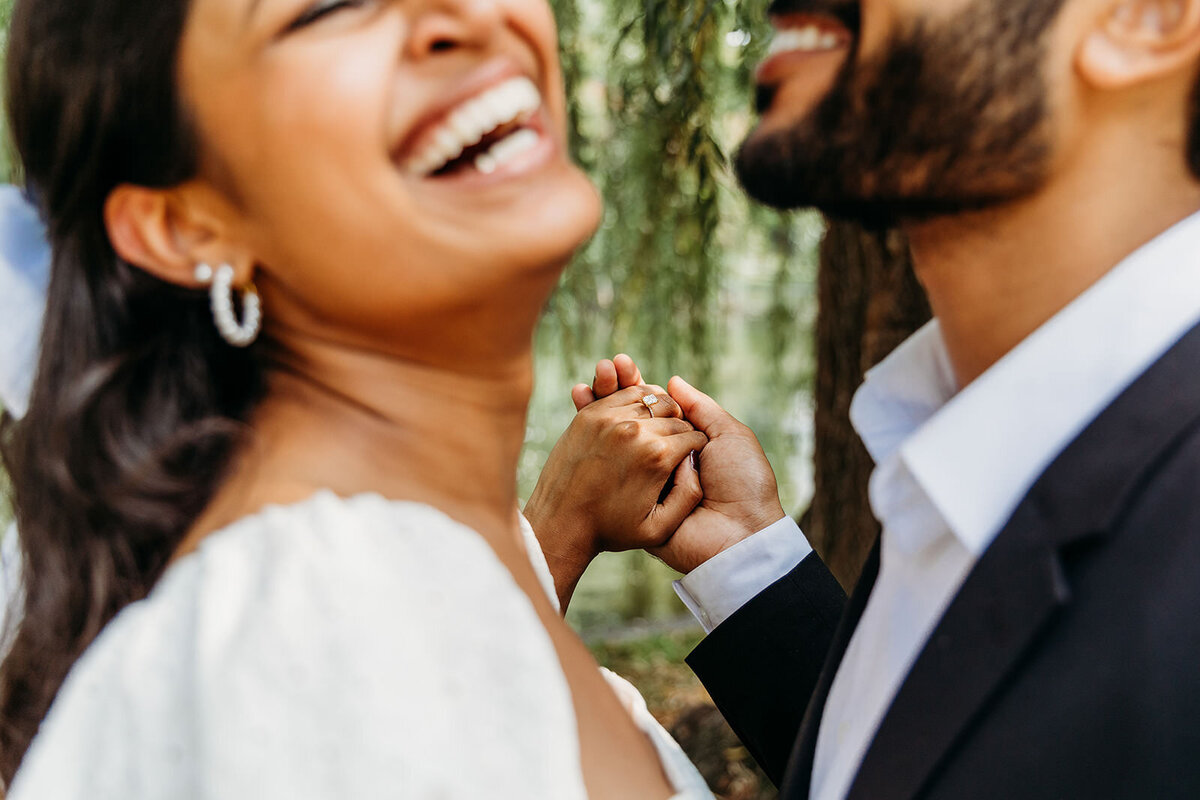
point(953, 467)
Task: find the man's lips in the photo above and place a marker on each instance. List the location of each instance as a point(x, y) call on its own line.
point(800, 40)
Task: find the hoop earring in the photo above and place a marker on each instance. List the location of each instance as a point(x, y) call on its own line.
point(220, 283)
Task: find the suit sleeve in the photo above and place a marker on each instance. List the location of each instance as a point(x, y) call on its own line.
point(762, 664)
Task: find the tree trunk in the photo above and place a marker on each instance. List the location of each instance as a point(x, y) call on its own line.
point(870, 302)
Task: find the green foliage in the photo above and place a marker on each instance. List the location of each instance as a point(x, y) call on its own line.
point(659, 95)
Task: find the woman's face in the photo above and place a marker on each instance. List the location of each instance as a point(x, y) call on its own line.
point(346, 134)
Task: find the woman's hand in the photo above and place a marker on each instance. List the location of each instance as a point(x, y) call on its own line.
point(620, 478)
point(621, 372)
point(740, 495)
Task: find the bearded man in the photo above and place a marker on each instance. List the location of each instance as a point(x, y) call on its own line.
point(1028, 625)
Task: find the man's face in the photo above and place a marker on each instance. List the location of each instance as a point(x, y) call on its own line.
point(887, 109)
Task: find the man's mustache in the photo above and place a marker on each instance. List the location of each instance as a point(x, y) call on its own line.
point(848, 12)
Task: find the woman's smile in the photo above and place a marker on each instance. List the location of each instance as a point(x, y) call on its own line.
point(436, 181)
point(486, 131)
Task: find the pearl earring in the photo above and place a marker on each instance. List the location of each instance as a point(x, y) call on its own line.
point(220, 283)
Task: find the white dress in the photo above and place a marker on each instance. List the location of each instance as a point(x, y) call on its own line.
point(336, 648)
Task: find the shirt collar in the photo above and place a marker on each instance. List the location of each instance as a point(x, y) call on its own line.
point(975, 454)
point(901, 394)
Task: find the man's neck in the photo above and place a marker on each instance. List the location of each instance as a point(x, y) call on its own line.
point(996, 276)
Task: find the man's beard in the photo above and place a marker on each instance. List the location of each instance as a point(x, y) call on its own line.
point(952, 116)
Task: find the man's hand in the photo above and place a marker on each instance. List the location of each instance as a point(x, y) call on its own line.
point(620, 478)
point(741, 496)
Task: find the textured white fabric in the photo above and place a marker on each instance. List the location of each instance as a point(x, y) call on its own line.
point(336, 648)
point(953, 466)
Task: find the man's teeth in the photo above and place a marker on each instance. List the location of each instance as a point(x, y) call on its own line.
point(513, 101)
point(809, 39)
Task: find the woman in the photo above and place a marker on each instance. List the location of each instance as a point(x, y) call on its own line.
point(289, 564)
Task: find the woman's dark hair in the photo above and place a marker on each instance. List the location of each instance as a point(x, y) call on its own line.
point(137, 402)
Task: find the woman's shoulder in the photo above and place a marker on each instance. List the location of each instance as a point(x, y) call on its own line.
point(351, 572)
point(325, 554)
point(330, 568)
point(345, 529)
point(325, 644)
point(356, 543)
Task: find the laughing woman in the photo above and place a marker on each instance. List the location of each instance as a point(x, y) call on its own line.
point(287, 562)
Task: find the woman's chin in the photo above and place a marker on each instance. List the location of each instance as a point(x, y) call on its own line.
point(585, 215)
point(553, 232)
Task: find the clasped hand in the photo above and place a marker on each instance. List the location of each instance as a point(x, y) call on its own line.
point(620, 479)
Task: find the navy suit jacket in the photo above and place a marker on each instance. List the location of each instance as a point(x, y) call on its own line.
point(1068, 665)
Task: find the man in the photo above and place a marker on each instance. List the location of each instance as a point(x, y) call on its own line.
point(1028, 625)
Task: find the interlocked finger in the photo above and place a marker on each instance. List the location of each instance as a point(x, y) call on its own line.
point(666, 426)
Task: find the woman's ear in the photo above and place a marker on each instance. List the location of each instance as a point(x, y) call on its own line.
point(1139, 41)
point(168, 232)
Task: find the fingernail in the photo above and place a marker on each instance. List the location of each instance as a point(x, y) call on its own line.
point(695, 461)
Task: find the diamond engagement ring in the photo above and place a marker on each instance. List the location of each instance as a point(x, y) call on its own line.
point(650, 401)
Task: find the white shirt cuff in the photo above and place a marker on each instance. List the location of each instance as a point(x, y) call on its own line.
point(720, 586)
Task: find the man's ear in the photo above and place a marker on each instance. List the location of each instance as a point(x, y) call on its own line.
point(1141, 41)
point(169, 232)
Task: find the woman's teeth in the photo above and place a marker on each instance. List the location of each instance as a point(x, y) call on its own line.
point(809, 39)
point(512, 102)
point(507, 149)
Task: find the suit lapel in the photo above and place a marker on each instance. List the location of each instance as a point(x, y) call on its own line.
point(1010, 596)
point(1019, 583)
point(799, 773)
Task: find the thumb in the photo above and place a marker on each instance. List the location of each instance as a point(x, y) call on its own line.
point(582, 396)
point(701, 410)
point(685, 495)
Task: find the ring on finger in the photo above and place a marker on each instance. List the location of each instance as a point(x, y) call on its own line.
point(650, 401)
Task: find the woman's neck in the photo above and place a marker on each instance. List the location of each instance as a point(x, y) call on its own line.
point(352, 422)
